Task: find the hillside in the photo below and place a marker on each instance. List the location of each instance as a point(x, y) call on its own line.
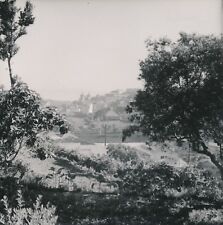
point(96, 118)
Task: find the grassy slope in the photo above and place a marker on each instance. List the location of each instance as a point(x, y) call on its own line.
point(156, 153)
point(170, 154)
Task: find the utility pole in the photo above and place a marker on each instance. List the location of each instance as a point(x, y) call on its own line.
point(105, 134)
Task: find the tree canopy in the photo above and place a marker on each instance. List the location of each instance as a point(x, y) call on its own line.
point(182, 96)
point(22, 118)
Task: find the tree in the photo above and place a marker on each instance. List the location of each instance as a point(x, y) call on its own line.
point(182, 96)
point(22, 118)
point(13, 25)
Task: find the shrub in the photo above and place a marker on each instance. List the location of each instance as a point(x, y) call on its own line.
point(160, 178)
point(20, 215)
point(166, 194)
point(122, 153)
point(206, 217)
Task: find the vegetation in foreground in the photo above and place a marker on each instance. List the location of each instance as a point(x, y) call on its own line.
point(146, 193)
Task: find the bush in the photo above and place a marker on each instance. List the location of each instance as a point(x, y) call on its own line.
point(162, 179)
point(122, 153)
point(206, 217)
point(20, 215)
point(165, 194)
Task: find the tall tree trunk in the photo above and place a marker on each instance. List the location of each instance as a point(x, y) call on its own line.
point(12, 81)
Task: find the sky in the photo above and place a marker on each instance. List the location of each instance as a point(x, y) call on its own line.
point(95, 46)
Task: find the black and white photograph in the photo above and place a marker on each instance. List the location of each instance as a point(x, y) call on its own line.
point(111, 112)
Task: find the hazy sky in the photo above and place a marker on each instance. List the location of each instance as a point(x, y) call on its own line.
point(94, 46)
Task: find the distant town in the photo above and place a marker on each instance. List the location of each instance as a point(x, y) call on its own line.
point(99, 118)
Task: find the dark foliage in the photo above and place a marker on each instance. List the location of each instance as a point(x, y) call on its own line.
point(182, 96)
point(22, 118)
